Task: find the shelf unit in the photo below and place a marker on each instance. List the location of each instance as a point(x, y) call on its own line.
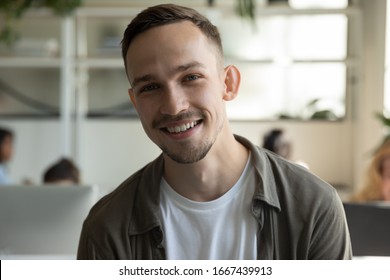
point(75, 61)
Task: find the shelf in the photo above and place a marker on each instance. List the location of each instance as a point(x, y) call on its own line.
point(100, 62)
point(128, 12)
point(286, 10)
point(88, 66)
point(30, 62)
point(102, 12)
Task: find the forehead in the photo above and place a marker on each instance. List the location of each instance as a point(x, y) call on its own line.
point(169, 43)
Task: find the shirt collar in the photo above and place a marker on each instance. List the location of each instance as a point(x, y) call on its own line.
point(146, 211)
point(266, 188)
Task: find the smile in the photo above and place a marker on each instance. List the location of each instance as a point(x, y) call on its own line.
point(182, 128)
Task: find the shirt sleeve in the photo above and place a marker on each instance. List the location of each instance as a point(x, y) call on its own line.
point(331, 239)
point(87, 249)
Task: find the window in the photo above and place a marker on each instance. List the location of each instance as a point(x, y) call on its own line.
point(293, 64)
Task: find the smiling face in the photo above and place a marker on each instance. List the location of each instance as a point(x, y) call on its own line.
point(178, 89)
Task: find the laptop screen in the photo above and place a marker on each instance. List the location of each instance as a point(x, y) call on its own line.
point(43, 220)
point(369, 227)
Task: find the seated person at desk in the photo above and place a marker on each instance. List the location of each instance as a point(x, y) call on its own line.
point(63, 172)
point(277, 142)
point(6, 148)
point(377, 182)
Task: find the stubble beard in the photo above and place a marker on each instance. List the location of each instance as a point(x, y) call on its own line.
point(188, 153)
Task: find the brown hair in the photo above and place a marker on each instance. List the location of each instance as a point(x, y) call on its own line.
point(64, 169)
point(166, 14)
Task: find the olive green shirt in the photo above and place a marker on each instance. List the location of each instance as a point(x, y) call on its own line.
point(299, 215)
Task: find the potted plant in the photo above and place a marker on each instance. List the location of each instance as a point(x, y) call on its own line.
point(12, 10)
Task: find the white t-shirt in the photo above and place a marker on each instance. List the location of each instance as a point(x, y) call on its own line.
point(222, 229)
point(4, 178)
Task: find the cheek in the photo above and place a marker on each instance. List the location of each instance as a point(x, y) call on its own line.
point(145, 117)
point(146, 107)
point(213, 97)
point(148, 113)
point(213, 106)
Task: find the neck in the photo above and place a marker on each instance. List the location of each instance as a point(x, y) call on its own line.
point(212, 176)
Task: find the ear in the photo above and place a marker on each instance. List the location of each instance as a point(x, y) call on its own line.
point(132, 97)
point(232, 82)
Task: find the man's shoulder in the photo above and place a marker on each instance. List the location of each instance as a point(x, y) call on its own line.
point(299, 178)
point(282, 179)
point(290, 182)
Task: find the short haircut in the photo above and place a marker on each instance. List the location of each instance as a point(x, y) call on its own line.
point(166, 14)
point(64, 169)
point(270, 140)
point(5, 133)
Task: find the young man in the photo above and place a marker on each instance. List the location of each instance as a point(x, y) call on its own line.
point(210, 194)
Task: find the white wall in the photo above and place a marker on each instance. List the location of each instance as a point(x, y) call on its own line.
point(111, 150)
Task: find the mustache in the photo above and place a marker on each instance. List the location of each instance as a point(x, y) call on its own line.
point(163, 120)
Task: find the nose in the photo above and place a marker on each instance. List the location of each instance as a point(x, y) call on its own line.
point(173, 101)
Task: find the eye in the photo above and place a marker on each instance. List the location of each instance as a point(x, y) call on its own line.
point(191, 77)
point(148, 88)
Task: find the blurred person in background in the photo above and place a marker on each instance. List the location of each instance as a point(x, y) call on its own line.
point(376, 184)
point(62, 172)
point(277, 142)
point(6, 151)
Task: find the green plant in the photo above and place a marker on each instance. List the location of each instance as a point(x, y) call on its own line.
point(384, 120)
point(246, 8)
point(381, 116)
point(12, 10)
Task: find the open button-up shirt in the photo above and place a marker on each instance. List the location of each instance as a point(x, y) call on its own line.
point(299, 215)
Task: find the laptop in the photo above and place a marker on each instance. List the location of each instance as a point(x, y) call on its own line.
point(39, 222)
point(369, 227)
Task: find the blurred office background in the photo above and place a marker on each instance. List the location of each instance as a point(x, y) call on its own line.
point(316, 69)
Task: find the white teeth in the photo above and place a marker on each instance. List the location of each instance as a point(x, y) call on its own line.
point(181, 128)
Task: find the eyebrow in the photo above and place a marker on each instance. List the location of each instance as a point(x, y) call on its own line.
point(180, 68)
point(190, 65)
point(141, 79)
